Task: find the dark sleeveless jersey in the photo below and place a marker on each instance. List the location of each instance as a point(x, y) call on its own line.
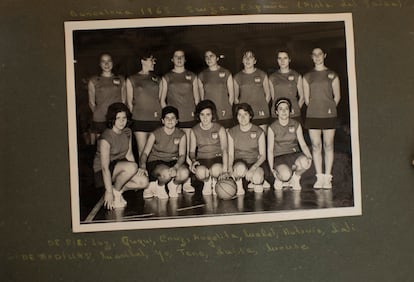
point(252, 92)
point(215, 89)
point(321, 100)
point(108, 90)
point(166, 147)
point(285, 137)
point(180, 93)
point(208, 141)
point(286, 85)
point(246, 144)
point(146, 103)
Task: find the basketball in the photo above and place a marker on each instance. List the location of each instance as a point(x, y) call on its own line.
point(216, 170)
point(283, 172)
point(202, 172)
point(226, 189)
point(302, 162)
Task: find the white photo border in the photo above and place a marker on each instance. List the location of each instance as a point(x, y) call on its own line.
point(72, 26)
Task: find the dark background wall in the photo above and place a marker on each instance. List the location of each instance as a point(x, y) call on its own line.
point(37, 241)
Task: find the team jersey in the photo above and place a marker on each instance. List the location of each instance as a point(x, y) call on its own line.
point(145, 103)
point(321, 101)
point(208, 141)
point(180, 93)
point(215, 89)
point(166, 147)
point(252, 92)
point(108, 90)
point(286, 86)
point(246, 144)
point(285, 137)
point(118, 143)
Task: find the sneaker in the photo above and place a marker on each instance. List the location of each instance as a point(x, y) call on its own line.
point(328, 181)
point(151, 190)
point(207, 187)
point(119, 201)
point(258, 188)
point(266, 185)
point(278, 185)
point(160, 192)
point(187, 187)
point(320, 181)
point(240, 190)
point(173, 189)
point(250, 185)
point(295, 182)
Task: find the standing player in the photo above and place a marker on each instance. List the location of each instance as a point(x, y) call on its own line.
point(164, 156)
point(287, 83)
point(251, 86)
point(114, 163)
point(143, 99)
point(247, 150)
point(322, 95)
point(104, 90)
point(286, 145)
point(209, 140)
point(216, 84)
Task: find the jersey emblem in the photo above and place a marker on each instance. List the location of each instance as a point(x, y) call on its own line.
point(253, 135)
point(222, 74)
point(176, 141)
point(291, 129)
point(291, 78)
point(155, 114)
point(331, 76)
point(188, 77)
point(329, 111)
point(214, 135)
point(257, 79)
point(116, 81)
point(154, 78)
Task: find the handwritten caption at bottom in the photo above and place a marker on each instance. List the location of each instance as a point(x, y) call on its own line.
point(202, 246)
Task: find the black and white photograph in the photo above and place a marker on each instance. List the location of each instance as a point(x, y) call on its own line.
point(193, 121)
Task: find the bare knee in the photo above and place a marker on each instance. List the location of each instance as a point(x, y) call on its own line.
point(317, 147)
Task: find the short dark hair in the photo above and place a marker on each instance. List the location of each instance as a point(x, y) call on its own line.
point(169, 109)
point(283, 100)
point(206, 104)
point(113, 110)
point(243, 106)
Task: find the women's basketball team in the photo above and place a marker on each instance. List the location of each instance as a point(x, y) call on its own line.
point(213, 126)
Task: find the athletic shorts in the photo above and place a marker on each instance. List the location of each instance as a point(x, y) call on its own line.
point(144, 126)
point(209, 162)
point(268, 175)
point(98, 126)
point(320, 123)
point(99, 177)
point(152, 165)
point(287, 159)
point(187, 124)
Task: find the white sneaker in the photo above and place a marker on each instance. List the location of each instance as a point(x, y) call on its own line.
point(151, 190)
point(119, 201)
point(173, 189)
point(187, 187)
point(295, 182)
point(278, 185)
point(266, 185)
point(327, 181)
point(250, 185)
point(258, 188)
point(207, 187)
point(320, 181)
point(240, 190)
point(161, 193)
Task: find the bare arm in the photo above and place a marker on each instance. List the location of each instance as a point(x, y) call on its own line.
point(266, 88)
point(147, 150)
point(336, 90)
point(300, 91)
point(129, 94)
point(123, 91)
point(164, 89)
point(129, 155)
point(182, 151)
point(230, 89)
point(192, 153)
point(91, 95)
point(270, 147)
point(272, 90)
point(302, 143)
point(196, 92)
point(262, 152)
point(200, 88)
point(224, 145)
point(230, 152)
point(104, 149)
point(236, 91)
point(306, 91)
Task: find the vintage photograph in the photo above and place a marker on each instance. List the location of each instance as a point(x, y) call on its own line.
point(195, 121)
